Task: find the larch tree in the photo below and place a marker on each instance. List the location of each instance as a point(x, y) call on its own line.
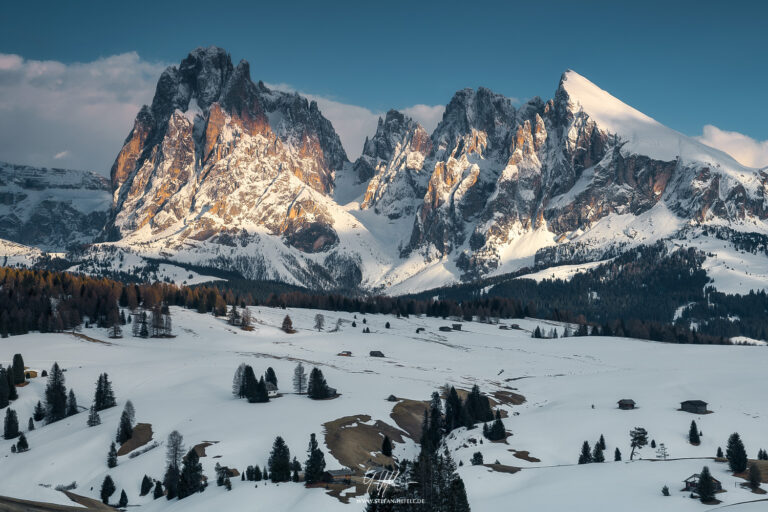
point(299, 379)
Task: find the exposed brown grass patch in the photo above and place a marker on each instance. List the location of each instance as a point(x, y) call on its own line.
point(142, 434)
point(408, 415)
point(524, 455)
point(502, 468)
point(87, 338)
point(762, 465)
point(352, 442)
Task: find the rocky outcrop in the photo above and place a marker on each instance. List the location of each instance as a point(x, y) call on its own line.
point(216, 153)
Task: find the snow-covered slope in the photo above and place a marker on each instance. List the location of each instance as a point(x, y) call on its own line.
point(570, 386)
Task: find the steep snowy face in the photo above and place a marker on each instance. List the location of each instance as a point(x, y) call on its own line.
point(52, 209)
point(215, 154)
point(497, 172)
point(392, 163)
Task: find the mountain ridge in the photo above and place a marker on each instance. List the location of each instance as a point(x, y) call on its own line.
point(225, 172)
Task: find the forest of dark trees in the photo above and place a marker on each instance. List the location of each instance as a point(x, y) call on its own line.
point(636, 294)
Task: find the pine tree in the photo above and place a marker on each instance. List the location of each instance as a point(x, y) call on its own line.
point(123, 502)
point(755, 478)
point(617, 455)
point(31, 425)
point(295, 467)
point(250, 384)
point(457, 496)
point(477, 459)
point(22, 445)
point(125, 427)
point(453, 410)
point(736, 454)
point(13, 394)
point(299, 379)
point(237, 381)
point(706, 486)
point(18, 369)
point(191, 479)
point(5, 389)
point(71, 403)
point(386, 447)
point(107, 489)
point(719, 453)
point(158, 492)
point(55, 395)
point(112, 456)
point(257, 474)
point(270, 376)
point(665, 491)
point(39, 412)
point(314, 467)
point(597, 453)
point(262, 394)
point(146, 485)
point(287, 325)
point(317, 388)
point(693, 434)
point(653, 443)
point(601, 442)
point(171, 482)
point(280, 461)
point(638, 438)
point(11, 426)
point(586, 454)
point(103, 398)
point(93, 417)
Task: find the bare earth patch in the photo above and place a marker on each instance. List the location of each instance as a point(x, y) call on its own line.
point(142, 434)
point(502, 468)
point(357, 445)
point(524, 455)
point(408, 414)
point(18, 505)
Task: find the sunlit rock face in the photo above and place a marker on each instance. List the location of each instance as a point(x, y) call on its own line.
point(217, 153)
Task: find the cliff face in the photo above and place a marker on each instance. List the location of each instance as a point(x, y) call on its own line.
point(215, 153)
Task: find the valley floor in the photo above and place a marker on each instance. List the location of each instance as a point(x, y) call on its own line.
point(571, 386)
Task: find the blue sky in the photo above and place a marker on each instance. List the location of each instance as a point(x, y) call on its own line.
point(687, 64)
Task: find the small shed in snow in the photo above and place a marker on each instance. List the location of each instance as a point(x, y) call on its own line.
point(376, 353)
point(694, 406)
point(692, 483)
point(444, 328)
point(338, 475)
point(271, 389)
point(456, 327)
point(626, 404)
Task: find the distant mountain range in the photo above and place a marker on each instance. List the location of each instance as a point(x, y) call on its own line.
point(226, 173)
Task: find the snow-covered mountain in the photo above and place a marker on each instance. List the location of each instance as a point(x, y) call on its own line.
point(224, 172)
point(51, 208)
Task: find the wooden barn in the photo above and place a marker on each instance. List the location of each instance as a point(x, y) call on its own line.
point(626, 404)
point(456, 327)
point(343, 475)
point(694, 406)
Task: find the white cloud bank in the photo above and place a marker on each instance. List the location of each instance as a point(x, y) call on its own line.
point(71, 115)
point(744, 149)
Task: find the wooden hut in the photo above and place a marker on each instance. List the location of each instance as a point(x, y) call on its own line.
point(694, 406)
point(626, 404)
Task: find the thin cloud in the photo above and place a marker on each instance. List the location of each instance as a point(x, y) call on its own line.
point(743, 148)
point(61, 154)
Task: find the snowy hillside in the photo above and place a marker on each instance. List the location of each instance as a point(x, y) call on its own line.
point(570, 388)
